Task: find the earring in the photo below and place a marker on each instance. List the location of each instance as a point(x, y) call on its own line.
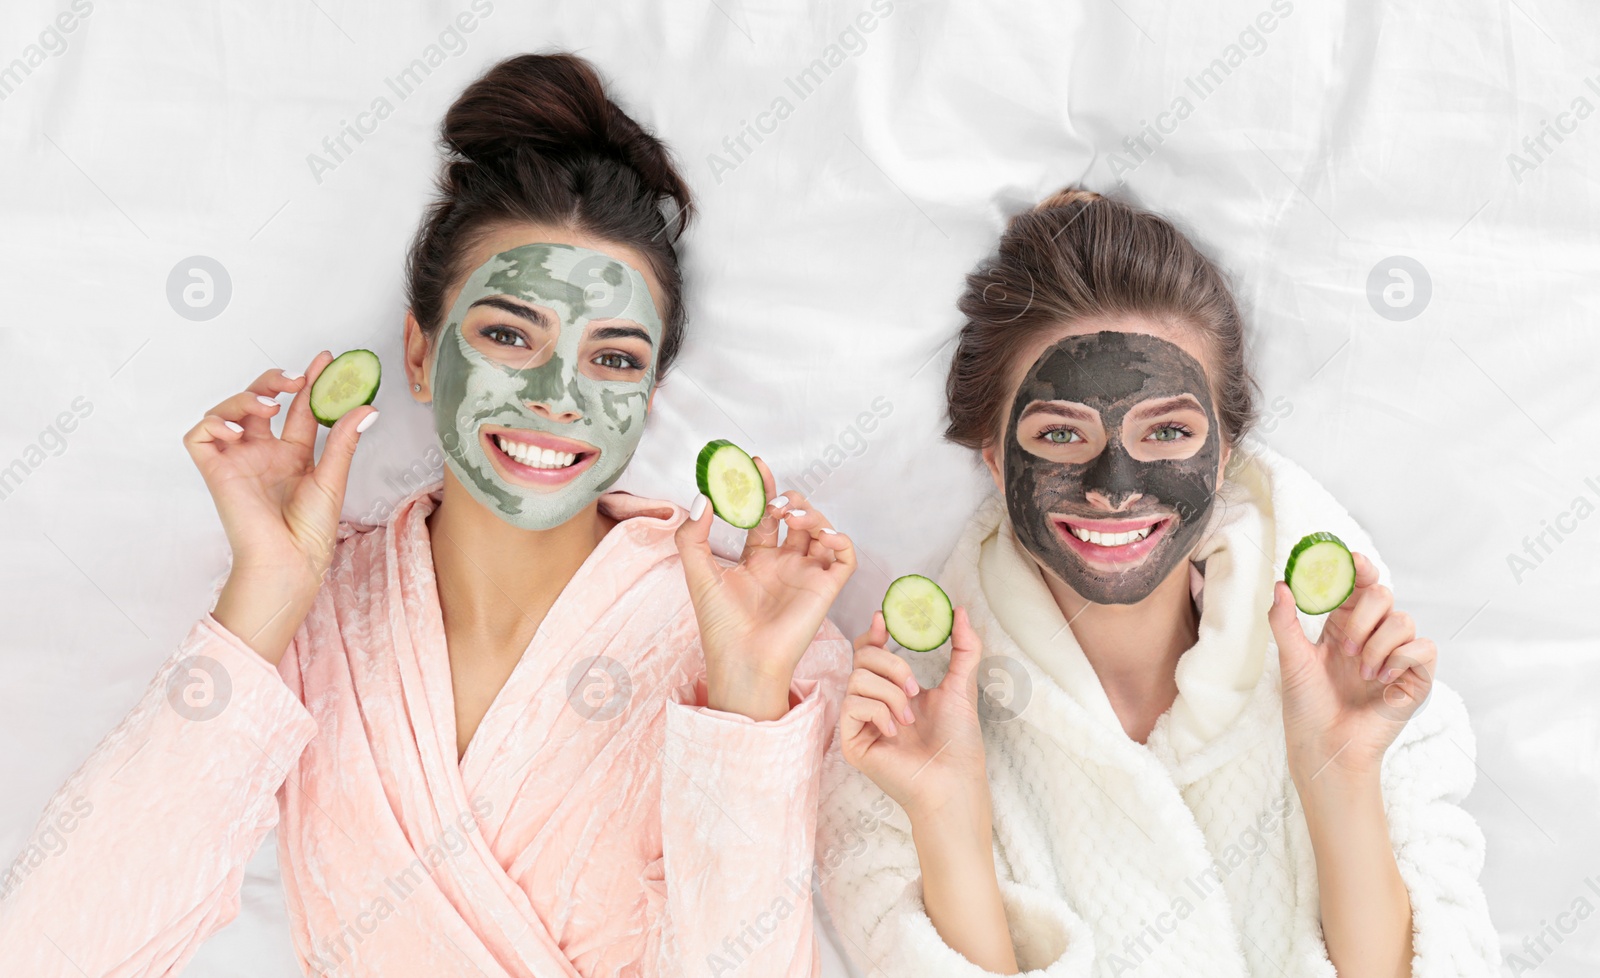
point(416, 387)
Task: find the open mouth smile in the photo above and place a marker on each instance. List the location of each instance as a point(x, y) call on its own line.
point(535, 458)
point(1112, 542)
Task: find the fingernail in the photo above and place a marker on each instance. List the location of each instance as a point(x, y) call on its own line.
point(911, 687)
point(1366, 671)
point(233, 427)
point(797, 512)
point(778, 502)
point(698, 507)
point(366, 422)
point(264, 399)
point(1349, 646)
point(908, 717)
point(293, 376)
point(830, 531)
point(1389, 674)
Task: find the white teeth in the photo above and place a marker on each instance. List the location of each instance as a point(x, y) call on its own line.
point(1110, 539)
point(535, 458)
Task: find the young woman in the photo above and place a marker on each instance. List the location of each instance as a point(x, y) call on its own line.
point(523, 727)
point(1166, 770)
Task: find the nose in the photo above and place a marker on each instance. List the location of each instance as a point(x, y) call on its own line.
point(1101, 500)
point(563, 412)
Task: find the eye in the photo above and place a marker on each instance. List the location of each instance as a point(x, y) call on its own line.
point(1171, 431)
point(504, 336)
point(1060, 435)
point(617, 361)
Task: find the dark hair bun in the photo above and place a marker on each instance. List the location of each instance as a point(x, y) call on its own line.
point(554, 106)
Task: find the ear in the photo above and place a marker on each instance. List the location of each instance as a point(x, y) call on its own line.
point(1227, 453)
point(991, 458)
point(417, 350)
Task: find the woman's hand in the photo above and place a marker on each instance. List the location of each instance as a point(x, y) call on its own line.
point(1346, 697)
point(279, 510)
point(924, 748)
point(758, 617)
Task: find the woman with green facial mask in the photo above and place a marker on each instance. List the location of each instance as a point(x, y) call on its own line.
point(523, 725)
point(1136, 757)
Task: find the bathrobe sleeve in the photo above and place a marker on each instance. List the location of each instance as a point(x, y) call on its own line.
point(139, 856)
point(738, 822)
point(872, 884)
point(1438, 847)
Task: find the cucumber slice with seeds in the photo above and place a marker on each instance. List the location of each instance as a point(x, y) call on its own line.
point(917, 613)
point(346, 383)
point(1321, 574)
point(729, 478)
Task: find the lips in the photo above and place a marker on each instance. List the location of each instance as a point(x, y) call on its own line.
point(1112, 542)
point(536, 459)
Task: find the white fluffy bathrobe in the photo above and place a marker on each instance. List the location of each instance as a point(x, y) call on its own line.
point(1186, 856)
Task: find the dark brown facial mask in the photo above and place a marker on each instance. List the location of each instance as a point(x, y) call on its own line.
point(1111, 372)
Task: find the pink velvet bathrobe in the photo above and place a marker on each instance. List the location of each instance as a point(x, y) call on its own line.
point(601, 823)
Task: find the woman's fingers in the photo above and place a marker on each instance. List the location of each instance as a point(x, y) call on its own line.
point(877, 633)
point(1411, 664)
point(865, 682)
point(888, 665)
point(1352, 623)
point(299, 426)
point(252, 411)
point(333, 468)
point(694, 547)
point(795, 511)
point(765, 533)
point(208, 438)
point(965, 651)
point(860, 712)
point(1396, 629)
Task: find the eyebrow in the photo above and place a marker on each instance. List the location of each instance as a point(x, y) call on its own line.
point(535, 316)
point(1063, 408)
point(1168, 404)
point(621, 333)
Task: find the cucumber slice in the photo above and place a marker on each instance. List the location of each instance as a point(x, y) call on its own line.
point(917, 613)
point(350, 381)
point(1320, 573)
point(728, 477)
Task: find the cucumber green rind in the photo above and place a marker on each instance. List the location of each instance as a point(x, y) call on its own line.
point(914, 635)
point(1322, 554)
point(329, 400)
point(720, 503)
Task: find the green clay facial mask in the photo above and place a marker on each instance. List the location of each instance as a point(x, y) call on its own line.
point(558, 324)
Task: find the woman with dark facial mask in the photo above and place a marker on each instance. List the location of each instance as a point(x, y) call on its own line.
point(523, 726)
point(1137, 757)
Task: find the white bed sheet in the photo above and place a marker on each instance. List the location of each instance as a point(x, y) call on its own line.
point(823, 274)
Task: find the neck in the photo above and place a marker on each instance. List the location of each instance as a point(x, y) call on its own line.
point(1134, 648)
point(497, 580)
